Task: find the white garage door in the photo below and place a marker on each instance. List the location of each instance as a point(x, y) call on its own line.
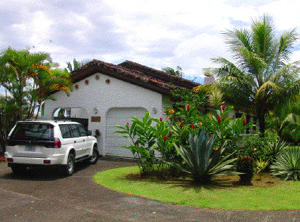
point(113, 141)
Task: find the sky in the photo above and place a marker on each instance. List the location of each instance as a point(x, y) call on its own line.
point(155, 33)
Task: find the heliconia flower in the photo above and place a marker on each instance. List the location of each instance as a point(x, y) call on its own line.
point(219, 118)
point(127, 123)
point(181, 123)
point(192, 126)
point(244, 121)
point(165, 137)
point(223, 107)
point(188, 107)
point(160, 119)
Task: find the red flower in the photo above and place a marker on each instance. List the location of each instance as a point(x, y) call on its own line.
point(165, 137)
point(188, 107)
point(160, 119)
point(181, 123)
point(192, 126)
point(127, 123)
point(209, 136)
point(223, 107)
point(137, 143)
point(219, 119)
point(244, 121)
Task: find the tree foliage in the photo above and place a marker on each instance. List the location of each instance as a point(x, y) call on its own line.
point(261, 77)
point(28, 79)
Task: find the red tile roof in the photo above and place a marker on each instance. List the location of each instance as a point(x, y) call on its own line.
point(134, 73)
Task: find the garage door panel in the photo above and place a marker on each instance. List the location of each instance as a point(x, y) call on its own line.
point(113, 141)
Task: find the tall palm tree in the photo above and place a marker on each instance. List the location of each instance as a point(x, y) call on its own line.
point(261, 77)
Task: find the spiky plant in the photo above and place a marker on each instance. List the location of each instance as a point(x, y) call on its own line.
point(287, 164)
point(202, 160)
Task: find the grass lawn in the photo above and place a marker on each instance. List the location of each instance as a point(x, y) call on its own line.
point(266, 193)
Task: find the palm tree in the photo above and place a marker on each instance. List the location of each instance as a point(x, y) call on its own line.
point(28, 79)
point(261, 78)
point(178, 72)
point(75, 65)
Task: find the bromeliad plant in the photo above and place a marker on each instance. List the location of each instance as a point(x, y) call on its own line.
point(202, 160)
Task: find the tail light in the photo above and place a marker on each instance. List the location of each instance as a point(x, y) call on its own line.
point(10, 160)
point(57, 143)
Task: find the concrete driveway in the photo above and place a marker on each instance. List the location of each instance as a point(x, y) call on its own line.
point(43, 195)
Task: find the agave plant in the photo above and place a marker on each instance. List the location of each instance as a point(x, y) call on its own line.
point(287, 164)
point(202, 160)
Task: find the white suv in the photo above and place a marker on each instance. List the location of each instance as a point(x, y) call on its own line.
point(33, 143)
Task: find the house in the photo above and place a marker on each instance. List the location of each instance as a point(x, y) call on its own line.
point(106, 95)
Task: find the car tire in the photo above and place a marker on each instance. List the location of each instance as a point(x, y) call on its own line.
point(19, 169)
point(95, 156)
point(69, 168)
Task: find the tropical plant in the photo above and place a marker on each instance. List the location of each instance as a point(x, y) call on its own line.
point(261, 79)
point(274, 148)
point(245, 166)
point(73, 66)
point(287, 164)
point(178, 72)
point(201, 159)
point(28, 79)
point(142, 139)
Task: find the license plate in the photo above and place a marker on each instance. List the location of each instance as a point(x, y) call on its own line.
point(30, 148)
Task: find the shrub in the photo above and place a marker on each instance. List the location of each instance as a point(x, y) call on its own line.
point(140, 134)
point(287, 164)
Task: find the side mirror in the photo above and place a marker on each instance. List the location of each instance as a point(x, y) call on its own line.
point(89, 132)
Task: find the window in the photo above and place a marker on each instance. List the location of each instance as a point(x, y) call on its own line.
point(65, 131)
point(74, 130)
point(36, 131)
point(82, 131)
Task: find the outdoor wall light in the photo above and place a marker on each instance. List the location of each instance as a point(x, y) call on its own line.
point(95, 110)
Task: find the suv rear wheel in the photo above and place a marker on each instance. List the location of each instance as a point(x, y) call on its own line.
point(95, 156)
point(69, 168)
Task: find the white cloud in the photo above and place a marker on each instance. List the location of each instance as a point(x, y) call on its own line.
point(151, 32)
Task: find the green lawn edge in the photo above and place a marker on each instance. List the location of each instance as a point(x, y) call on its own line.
point(284, 196)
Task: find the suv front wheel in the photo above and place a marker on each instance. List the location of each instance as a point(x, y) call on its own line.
point(69, 168)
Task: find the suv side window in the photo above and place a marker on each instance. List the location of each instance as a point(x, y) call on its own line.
point(74, 130)
point(65, 131)
point(82, 130)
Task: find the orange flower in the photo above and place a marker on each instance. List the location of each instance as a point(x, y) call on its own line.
point(168, 117)
point(217, 149)
point(172, 111)
point(200, 124)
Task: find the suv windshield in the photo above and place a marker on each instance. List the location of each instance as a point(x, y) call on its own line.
point(33, 131)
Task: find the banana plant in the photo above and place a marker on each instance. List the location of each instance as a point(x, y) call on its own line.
point(202, 160)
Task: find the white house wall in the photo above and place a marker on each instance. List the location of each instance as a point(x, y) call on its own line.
point(103, 96)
